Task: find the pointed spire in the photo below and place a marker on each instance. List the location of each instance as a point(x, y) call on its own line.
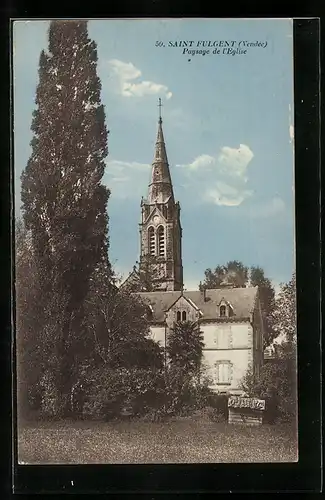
point(160, 187)
point(159, 106)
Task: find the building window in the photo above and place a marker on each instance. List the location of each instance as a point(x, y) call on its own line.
point(223, 311)
point(151, 241)
point(223, 338)
point(181, 315)
point(223, 372)
point(161, 241)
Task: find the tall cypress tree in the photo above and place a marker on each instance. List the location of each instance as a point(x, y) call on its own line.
point(64, 201)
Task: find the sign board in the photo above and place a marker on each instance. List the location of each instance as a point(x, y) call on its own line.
point(245, 411)
point(252, 403)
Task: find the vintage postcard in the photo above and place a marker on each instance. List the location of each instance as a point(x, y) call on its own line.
point(154, 241)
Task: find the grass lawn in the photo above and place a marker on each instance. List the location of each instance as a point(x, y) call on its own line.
point(183, 440)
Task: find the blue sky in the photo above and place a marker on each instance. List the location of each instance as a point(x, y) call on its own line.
point(228, 126)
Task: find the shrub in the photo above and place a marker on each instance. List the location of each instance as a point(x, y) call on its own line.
point(112, 393)
point(50, 406)
point(219, 402)
point(183, 393)
point(276, 384)
point(151, 394)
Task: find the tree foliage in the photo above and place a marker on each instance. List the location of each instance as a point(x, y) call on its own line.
point(184, 347)
point(277, 380)
point(38, 325)
point(147, 276)
point(277, 383)
point(74, 326)
point(28, 354)
point(114, 393)
point(120, 329)
point(233, 273)
point(63, 199)
point(284, 313)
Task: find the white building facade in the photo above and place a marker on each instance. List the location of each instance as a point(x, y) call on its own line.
point(231, 324)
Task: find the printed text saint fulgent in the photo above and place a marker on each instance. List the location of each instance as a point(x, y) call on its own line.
point(202, 43)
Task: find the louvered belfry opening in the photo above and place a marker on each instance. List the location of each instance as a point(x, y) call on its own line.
point(161, 241)
point(151, 240)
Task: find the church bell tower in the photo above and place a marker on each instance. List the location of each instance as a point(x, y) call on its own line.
point(160, 227)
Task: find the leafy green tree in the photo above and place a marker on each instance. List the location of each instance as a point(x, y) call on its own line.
point(119, 323)
point(112, 393)
point(184, 381)
point(35, 346)
point(233, 273)
point(277, 380)
point(63, 199)
point(277, 384)
point(147, 276)
point(185, 347)
point(284, 314)
point(28, 348)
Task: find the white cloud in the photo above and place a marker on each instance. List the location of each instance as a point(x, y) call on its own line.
point(234, 162)
point(202, 161)
point(144, 88)
point(127, 72)
point(226, 195)
point(223, 177)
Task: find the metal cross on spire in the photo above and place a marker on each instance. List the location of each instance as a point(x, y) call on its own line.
point(159, 106)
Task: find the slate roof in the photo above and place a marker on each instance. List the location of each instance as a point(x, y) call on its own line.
point(242, 301)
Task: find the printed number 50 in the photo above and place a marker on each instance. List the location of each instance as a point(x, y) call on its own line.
point(159, 44)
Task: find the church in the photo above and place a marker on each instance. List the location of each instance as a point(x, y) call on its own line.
point(230, 318)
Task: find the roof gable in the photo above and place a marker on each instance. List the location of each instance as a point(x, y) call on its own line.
point(154, 212)
point(187, 299)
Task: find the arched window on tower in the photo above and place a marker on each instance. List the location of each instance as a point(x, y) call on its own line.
point(183, 316)
point(151, 241)
point(161, 241)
